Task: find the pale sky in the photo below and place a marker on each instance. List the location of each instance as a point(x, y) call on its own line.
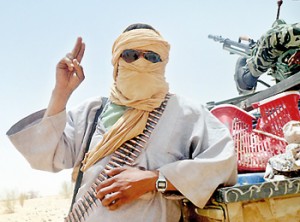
point(36, 34)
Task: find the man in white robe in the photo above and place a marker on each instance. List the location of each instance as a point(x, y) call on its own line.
point(189, 148)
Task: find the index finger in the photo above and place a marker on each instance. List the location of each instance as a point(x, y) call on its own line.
point(115, 171)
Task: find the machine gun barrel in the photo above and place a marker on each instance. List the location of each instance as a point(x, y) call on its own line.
point(234, 47)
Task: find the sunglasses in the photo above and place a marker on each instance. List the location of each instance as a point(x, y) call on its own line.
point(131, 55)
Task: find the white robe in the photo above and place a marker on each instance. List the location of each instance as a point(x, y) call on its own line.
point(191, 148)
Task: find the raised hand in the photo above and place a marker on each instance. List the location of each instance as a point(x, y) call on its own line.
point(69, 75)
point(69, 72)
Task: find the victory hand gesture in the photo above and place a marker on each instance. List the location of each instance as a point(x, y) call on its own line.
point(69, 75)
point(69, 72)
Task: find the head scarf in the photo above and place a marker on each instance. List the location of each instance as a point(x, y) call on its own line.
point(139, 85)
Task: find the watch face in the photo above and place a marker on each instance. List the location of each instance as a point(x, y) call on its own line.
point(161, 184)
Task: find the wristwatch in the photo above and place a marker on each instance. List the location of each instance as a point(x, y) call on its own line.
point(161, 183)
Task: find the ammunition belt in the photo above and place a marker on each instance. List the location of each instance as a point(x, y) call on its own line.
point(126, 154)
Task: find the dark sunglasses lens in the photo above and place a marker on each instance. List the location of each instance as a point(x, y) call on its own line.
point(152, 57)
point(130, 55)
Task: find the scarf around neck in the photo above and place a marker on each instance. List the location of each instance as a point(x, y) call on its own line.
point(140, 85)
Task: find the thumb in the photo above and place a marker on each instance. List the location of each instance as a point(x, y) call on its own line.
point(79, 70)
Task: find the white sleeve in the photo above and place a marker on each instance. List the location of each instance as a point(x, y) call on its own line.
point(213, 161)
point(40, 141)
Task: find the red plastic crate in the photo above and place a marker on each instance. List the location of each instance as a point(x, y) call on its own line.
point(276, 111)
point(255, 145)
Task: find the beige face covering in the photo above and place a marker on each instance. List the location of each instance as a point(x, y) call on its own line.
point(140, 85)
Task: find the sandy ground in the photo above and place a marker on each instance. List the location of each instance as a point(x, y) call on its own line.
point(45, 209)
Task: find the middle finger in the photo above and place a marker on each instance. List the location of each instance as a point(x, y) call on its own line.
point(80, 53)
point(77, 48)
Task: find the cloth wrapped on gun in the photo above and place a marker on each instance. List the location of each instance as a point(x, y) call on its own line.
point(286, 165)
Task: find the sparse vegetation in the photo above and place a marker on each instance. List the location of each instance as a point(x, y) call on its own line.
point(10, 202)
point(66, 189)
point(41, 209)
point(12, 197)
point(32, 194)
point(22, 198)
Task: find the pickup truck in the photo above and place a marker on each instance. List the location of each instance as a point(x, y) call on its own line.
point(253, 198)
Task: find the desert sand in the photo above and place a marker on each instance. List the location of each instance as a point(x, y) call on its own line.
point(44, 209)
